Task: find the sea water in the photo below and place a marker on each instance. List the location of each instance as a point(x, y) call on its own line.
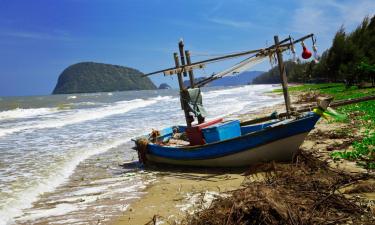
point(67, 159)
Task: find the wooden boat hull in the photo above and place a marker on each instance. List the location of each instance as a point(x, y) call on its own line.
point(272, 142)
point(280, 150)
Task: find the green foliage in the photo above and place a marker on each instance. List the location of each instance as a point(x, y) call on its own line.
point(363, 151)
point(350, 52)
point(297, 72)
point(312, 87)
point(90, 77)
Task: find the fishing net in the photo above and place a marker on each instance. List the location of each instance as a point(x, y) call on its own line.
point(244, 65)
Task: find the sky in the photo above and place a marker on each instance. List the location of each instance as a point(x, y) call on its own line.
point(40, 38)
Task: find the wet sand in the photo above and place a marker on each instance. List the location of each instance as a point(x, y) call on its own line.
point(176, 193)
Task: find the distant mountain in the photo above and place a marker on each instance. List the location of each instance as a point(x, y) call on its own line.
point(234, 80)
point(88, 77)
point(164, 86)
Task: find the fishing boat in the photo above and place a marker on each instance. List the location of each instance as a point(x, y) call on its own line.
point(228, 143)
point(277, 140)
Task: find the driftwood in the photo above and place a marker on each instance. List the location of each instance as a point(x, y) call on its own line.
point(309, 108)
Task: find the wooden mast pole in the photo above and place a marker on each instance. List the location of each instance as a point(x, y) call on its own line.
point(181, 86)
point(182, 55)
point(283, 77)
point(191, 74)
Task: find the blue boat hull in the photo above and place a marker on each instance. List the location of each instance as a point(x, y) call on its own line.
point(276, 141)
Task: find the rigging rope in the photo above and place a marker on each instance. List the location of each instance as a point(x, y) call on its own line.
point(241, 66)
point(205, 54)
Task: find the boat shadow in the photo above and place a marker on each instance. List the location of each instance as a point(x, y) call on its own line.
point(196, 173)
point(210, 174)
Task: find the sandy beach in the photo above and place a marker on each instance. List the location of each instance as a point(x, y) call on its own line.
point(179, 192)
point(176, 193)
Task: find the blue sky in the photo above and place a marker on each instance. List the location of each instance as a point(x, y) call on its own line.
point(40, 38)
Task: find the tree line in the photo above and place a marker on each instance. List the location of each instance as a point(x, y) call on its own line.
point(350, 59)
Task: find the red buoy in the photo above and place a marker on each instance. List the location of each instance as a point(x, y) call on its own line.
point(306, 53)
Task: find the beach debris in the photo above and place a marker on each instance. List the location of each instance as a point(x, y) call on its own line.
point(195, 202)
point(306, 192)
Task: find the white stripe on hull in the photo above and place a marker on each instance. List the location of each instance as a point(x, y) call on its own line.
point(280, 150)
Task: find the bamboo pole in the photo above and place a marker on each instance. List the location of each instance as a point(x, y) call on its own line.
point(191, 73)
point(182, 54)
point(283, 77)
point(181, 86)
point(179, 75)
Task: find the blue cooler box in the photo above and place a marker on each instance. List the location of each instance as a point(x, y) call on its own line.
point(222, 131)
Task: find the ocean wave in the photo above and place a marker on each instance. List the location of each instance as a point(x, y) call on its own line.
point(83, 115)
point(237, 90)
point(21, 113)
point(71, 97)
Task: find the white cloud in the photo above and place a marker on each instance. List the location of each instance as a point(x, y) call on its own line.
point(58, 35)
point(326, 16)
point(231, 23)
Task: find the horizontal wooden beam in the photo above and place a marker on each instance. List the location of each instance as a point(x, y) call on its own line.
point(183, 69)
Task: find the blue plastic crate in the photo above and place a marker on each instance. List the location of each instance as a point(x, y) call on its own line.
point(222, 131)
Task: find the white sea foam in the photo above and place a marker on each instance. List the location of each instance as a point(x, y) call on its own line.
point(81, 200)
point(83, 115)
point(20, 113)
point(71, 97)
point(24, 199)
point(60, 209)
point(234, 90)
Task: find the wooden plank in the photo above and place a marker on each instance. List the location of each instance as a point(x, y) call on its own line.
point(186, 68)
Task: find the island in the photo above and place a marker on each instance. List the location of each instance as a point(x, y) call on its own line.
point(164, 86)
point(89, 77)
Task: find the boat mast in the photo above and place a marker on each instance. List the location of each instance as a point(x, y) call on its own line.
point(283, 77)
point(181, 86)
point(191, 74)
point(188, 67)
point(182, 55)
